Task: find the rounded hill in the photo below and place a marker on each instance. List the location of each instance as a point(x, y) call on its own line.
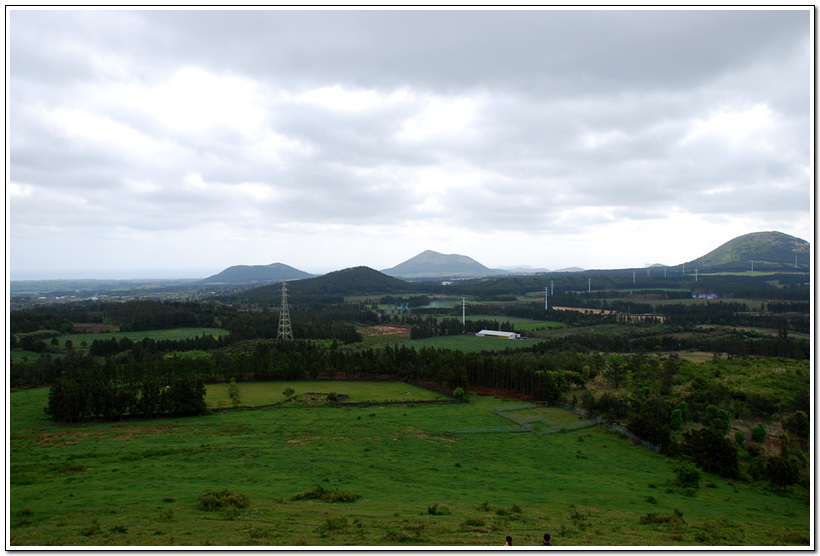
point(767, 250)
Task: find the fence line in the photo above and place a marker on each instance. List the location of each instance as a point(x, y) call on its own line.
point(526, 424)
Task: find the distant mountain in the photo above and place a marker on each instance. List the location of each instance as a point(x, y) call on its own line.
point(523, 269)
point(244, 274)
point(431, 264)
point(767, 250)
point(360, 280)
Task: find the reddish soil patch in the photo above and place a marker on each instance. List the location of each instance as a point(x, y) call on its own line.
point(94, 328)
point(383, 329)
point(504, 395)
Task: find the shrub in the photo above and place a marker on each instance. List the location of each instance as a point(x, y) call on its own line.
point(435, 509)
point(650, 519)
point(761, 405)
point(721, 421)
point(233, 392)
point(684, 411)
point(474, 522)
point(332, 397)
point(759, 433)
point(92, 529)
point(797, 424)
point(335, 523)
point(740, 438)
point(458, 392)
point(687, 475)
point(222, 499)
point(676, 420)
point(321, 493)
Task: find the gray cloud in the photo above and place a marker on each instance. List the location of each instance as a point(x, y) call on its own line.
point(314, 131)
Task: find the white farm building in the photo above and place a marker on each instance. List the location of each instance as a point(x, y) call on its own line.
point(498, 334)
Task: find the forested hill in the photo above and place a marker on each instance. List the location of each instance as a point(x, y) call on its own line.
point(431, 264)
point(360, 280)
point(767, 250)
point(245, 274)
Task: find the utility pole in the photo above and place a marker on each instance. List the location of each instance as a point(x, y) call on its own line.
point(285, 330)
point(546, 298)
point(552, 282)
point(463, 314)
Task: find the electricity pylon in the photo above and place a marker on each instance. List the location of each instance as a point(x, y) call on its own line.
point(285, 330)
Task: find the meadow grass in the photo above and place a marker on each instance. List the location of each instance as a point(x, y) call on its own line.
point(139, 483)
point(18, 355)
point(538, 325)
point(469, 343)
point(265, 393)
point(167, 334)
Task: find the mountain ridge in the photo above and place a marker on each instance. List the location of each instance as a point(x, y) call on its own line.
point(769, 250)
point(249, 274)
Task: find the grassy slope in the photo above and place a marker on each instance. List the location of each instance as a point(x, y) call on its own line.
point(137, 483)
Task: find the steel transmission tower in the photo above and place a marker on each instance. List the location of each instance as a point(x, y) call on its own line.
point(285, 330)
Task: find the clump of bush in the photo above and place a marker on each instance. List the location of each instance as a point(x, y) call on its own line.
point(650, 519)
point(321, 493)
point(335, 523)
point(233, 392)
point(222, 499)
point(435, 509)
point(474, 522)
point(687, 475)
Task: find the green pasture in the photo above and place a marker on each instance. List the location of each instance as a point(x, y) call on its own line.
point(551, 414)
point(19, 355)
point(469, 343)
point(407, 481)
point(168, 334)
point(542, 325)
point(265, 393)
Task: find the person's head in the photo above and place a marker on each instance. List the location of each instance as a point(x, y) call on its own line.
point(509, 540)
point(547, 537)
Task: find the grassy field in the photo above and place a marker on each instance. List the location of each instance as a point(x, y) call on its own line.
point(265, 393)
point(469, 343)
point(406, 481)
point(80, 341)
point(169, 334)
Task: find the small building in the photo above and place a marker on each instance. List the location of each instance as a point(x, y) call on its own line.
point(498, 334)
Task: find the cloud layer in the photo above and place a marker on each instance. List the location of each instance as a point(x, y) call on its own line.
point(159, 143)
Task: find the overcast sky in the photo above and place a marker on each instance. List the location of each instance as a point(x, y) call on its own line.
point(159, 144)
